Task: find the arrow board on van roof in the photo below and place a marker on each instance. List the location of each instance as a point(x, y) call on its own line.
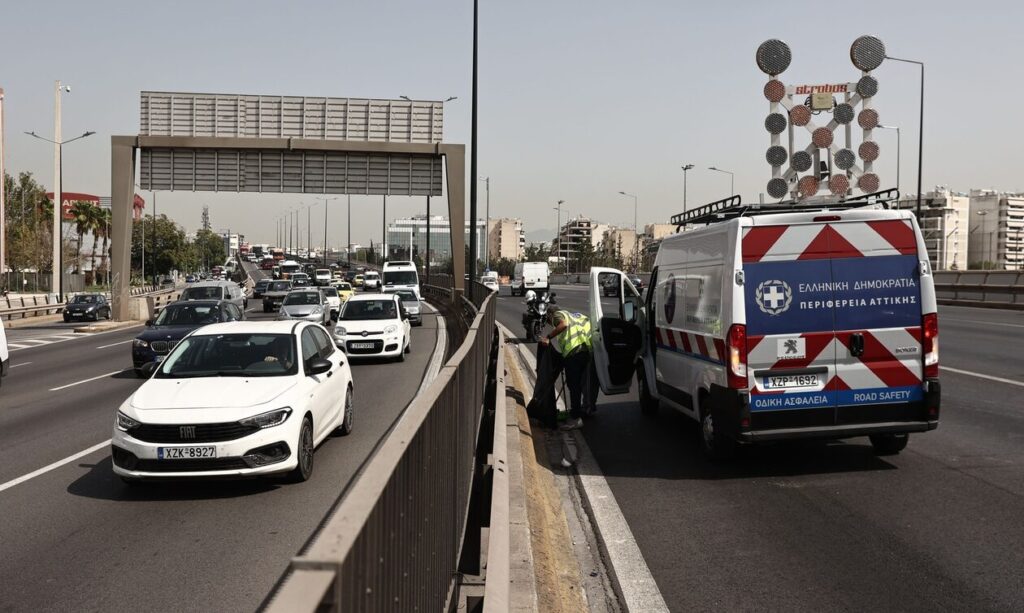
point(827, 163)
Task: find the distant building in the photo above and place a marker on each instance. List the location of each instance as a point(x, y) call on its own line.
point(407, 238)
point(658, 231)
point(574, 233)
point(997, 230)
point(231, 243)
point(944, 226)
point(620, 243)
point(506, 239)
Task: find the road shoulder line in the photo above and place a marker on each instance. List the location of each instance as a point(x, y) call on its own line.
point(55, 465)
point(982, 376)
point(628, 571)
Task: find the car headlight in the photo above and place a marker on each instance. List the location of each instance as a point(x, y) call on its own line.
point(339, 331)
point(125, 423)
point(268, 419)
point(318, 311)
point(91, 308)
point(141, 344)
point(392, 329)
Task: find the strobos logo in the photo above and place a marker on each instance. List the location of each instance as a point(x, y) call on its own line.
point(773, 296)
point(670, 299)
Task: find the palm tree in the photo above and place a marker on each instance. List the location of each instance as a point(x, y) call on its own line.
point(84, 215)
point(103, 223)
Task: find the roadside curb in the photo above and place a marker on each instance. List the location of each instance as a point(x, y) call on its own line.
point(25, 322)
point(628, 571)
point(107, 326)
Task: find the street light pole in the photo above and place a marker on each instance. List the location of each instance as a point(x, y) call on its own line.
point(349, 250)
point(487, 225)
point(732, 177)
point(3, 197)
point(686, 168)
point(558, 233)
point(920, 130)
point(472, 163)
point(897, 128)
point(635, 235)
point(325, 200)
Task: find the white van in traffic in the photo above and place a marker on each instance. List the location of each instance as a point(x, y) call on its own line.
point(818, 324)
point(529, 275)
point(401, 275)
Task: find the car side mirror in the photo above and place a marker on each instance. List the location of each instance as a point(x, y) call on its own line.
point(149, 323)
point(317, 366)
point(149, 368)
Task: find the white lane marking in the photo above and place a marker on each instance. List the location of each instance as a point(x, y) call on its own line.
point(21, 364)
point(437, 360)
point(115, 344)
point(57, 464)
point(62, 338)
point(109, 374)
point(983, 376)
point(13, 346)
point(987, 323)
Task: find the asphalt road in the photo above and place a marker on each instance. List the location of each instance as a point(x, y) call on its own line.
point(77, 539)
point(831, 526)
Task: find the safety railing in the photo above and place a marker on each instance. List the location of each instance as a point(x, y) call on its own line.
point(1003, 289)
point(394, 541)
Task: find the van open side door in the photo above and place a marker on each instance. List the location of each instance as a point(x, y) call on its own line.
point(615, 329)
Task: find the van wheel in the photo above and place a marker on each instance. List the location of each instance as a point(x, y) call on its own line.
point(889, 444)
point(648, 403)
point(714, 442)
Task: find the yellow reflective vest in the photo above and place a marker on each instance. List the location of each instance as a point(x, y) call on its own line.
point(576, 334)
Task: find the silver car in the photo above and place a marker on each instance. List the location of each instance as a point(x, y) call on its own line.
point(307, 305)
point(412, 306)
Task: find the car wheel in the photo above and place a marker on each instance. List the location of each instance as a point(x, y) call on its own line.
point(346, 423)
point(714, 442)
point(408, 346)
point(67, 319)
point(889, 444)
point(109, 315)
point(304, 451)
point(648, 403)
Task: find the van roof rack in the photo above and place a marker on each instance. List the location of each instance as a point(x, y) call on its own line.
point(732, 207)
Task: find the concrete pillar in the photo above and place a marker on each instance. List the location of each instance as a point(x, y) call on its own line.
point(122, 196)
point(455, 174)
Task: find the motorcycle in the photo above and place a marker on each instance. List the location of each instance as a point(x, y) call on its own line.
point(535, 316)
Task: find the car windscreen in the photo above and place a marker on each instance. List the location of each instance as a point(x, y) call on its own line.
point(279, 286)
point(187, 315)
point(400, 277)
point(231, 355)
point(369, 309)
point(345, 287)
point(302, 298)
point(203, 293)
point(407, 296)
point(84, 300)
point(263, 282)
point(330, 292)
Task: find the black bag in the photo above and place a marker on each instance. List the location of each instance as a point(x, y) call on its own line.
point(543, 406)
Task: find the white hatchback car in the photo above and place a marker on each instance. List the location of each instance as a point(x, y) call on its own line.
point(236, 399)
point(374, 325)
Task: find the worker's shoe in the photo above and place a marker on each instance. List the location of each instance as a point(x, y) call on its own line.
point(573, 423)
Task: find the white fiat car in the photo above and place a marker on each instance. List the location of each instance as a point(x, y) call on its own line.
point(236, 399)
point(374, 325)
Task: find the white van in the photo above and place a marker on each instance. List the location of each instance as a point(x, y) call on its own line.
point(817, 324)
point(401, 275)
point(216, 290)
point(371, 280)
point(529, 275)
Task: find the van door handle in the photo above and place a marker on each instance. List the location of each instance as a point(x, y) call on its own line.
point(856, 344)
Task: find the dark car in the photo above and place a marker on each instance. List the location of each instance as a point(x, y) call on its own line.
point(274, 295)
point(173, 323)
point(350, 276)
point(637, 282)
point(87, 306)
point(260, 287)
point(299, 279)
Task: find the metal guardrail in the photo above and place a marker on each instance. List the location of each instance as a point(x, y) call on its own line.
point(498, 584)
point(1001, 289)
point(49, 305)
point(394, 541)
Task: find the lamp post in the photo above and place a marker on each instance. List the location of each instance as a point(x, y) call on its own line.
point(732, 178)
point(920, 128)
point(686, 168)
point(57, 279)
point(897, 128)
point(558, 233)
point(635, 241)
point(988, 243)
point(325, 201)
point(487, 225)
point(3, 197)
point(472, 162)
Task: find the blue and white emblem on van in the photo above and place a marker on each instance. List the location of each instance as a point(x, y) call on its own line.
point(670, 299)
point(773, 296)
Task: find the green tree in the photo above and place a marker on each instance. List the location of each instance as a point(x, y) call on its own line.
point(209, 249)
point(85, 216)
point(28, 224)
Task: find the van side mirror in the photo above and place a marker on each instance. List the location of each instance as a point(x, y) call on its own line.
point(628, 312)
point(149, 323)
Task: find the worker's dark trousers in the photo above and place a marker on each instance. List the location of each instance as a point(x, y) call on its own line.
point(542, 406)
point(577, 366)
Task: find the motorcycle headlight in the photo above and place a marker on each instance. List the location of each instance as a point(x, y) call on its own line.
point(268, 419)
point(542, 308)
point(392, 329)
point(141, 344)
point(125, 423)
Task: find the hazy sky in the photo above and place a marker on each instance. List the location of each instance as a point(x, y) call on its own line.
point(578, 99)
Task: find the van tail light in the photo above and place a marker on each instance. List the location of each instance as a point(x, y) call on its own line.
point(930, 336)
point(736, 344)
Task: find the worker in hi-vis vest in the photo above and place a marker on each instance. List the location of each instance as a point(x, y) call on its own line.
point(570, 337)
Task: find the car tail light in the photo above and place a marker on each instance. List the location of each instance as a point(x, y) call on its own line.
point(737, 348)
point(930, 329)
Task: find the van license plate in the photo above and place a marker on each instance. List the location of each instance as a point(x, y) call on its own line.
point(778, 382)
